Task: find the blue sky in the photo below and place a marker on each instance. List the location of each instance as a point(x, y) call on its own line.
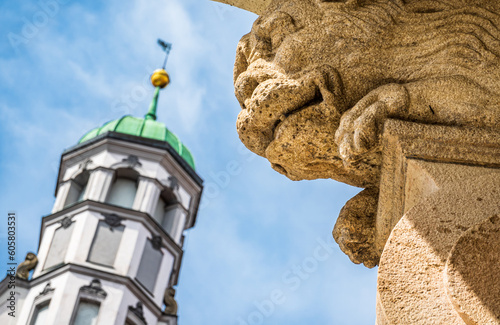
point(67, 67)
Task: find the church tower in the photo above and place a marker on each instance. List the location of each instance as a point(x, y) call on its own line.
point(111, 250)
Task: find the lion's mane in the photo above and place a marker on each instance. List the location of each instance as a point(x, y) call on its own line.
point(425, 39)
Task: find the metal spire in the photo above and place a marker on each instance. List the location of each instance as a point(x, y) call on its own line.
point(159, 79)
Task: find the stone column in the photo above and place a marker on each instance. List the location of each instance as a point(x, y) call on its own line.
point(98, 185)
point(147, 195)
point(438, 226)
point(62, 194)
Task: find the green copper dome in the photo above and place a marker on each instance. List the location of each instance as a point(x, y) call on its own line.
point(146, 127)
point(141, 127)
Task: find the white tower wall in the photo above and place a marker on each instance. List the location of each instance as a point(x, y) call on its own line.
point(114, 237)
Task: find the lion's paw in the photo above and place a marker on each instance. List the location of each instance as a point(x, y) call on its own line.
point(354, 230)
point(360, 127)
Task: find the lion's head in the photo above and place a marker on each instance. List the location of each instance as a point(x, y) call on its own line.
point(290, 82)
point(306, 62)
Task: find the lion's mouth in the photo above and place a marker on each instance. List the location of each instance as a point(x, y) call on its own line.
point(317, 99)
point(268, 97)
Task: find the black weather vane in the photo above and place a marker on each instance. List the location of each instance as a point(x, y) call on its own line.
point(166, 47)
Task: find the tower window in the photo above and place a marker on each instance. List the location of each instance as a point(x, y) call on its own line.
point(40, 314)
point(124, 188)
point(106, 242)
point(173, 222)
point(160, 211)
point(77, 189)
point(88, 303)
point(87, 313)
point(168, 212)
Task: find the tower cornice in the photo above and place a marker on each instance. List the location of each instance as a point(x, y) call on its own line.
point(156, 144)
point(158, 151)
point(127, 214)
point(129, 283)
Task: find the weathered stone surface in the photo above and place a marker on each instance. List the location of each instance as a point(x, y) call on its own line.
point(422, 276)
point(255, 6)
point(400, 190)
point(316, 81)
point(473, 273)
point(439, 201)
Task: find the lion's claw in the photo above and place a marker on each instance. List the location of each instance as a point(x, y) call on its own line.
point(361, 126)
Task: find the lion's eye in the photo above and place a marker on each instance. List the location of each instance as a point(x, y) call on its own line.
point(278, 27)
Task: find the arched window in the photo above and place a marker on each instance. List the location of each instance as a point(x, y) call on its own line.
point(124, 188)
point(163, 212)
point(160, 210)
point(77, 188)
point(174, 220)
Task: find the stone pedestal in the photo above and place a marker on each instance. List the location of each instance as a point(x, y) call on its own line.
point(438, 226)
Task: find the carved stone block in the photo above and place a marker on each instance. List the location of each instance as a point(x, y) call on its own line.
point(438, 226)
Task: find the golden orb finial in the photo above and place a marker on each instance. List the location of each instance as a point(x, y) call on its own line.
point(160, 78)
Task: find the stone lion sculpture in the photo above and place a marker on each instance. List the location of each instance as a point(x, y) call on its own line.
point(317, 79)
point(169, 301)
point(24, 268)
